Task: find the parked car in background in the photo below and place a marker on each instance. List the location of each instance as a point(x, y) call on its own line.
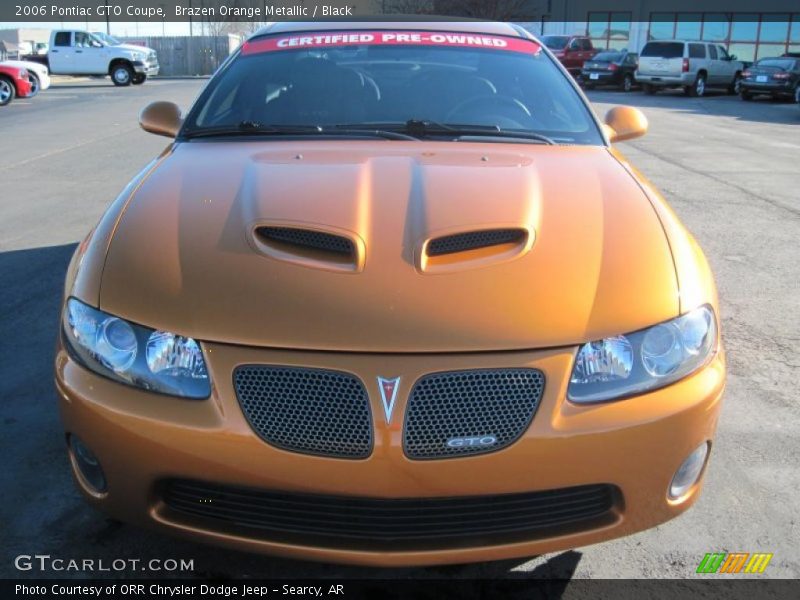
point(76, 52)
point(571, 50)
point(38, 74)
point(693, 66)
point(778, 77)
point(611, 68)
point(14, 83)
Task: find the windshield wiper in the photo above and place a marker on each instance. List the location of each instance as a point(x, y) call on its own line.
point(422, 128)
point(254, 128)
point(248, 127)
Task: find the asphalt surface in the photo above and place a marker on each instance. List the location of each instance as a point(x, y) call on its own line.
point(729, 168)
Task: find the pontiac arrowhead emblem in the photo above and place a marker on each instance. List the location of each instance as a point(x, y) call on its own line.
point(388, 389)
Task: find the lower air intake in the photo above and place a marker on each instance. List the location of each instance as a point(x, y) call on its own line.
point(391, 523)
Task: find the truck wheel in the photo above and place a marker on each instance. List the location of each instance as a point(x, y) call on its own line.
point(138, 79)
point(7, 91)
point(36, 85)
point(627, 82)
point(122, 74)
point(698, 88)
point(649, 89)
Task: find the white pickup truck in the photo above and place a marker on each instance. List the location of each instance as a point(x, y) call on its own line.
point(76, 52)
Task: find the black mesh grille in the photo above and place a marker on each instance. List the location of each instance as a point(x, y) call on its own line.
point(347, 521)
point(461, 412)
point(311, 411)
point(474, 239)
point(316, 240)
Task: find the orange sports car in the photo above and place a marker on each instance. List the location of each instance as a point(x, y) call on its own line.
point(391, 297)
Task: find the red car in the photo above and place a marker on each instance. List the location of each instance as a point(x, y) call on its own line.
point(13, 82)
point(571, 50)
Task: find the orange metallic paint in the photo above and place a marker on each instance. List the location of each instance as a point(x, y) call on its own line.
point(604, 255)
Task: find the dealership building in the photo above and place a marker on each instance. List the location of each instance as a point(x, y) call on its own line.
point(750, 35)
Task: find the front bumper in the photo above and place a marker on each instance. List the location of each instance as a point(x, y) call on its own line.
point(150, 68)
point(143, 439)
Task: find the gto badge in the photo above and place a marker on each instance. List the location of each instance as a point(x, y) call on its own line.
point(467, 442)
point(388, 388)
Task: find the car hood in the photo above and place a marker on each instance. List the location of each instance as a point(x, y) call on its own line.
point(183, 256)
point(133, 48)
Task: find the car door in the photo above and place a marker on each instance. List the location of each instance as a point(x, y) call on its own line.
point(572, 55)
point(90, 55)
point(727, 66)
point(716, 72)
point(60, 56)
point(587, 50)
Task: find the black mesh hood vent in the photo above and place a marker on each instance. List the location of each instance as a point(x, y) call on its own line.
point(471, 240)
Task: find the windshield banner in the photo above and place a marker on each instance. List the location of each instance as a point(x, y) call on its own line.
point(389, 38)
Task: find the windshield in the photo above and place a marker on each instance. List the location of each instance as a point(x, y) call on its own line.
point(503, 83)
point(786, 64)
point(556, 42)
point(608, 57)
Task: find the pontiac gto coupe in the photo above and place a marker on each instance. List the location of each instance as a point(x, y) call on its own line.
point(390, 296)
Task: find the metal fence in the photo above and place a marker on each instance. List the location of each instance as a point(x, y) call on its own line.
point(184, 55)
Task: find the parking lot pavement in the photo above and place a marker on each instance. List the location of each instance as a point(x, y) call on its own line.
point(730, 170)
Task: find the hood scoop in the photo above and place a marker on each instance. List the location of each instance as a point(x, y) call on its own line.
point(475, 248)
point(472, 240)
point(311, 247)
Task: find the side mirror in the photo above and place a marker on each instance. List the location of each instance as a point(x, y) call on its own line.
point(734, 57)
point(161, 118)
point(625, 123)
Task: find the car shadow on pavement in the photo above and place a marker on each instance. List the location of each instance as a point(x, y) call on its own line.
point(760, 110)
point(45, 512)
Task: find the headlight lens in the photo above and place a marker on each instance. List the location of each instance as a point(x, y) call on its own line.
point(645, 360)
point(153, 360)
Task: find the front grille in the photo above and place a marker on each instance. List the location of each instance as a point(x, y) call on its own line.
point(346, 521)
point(309, 239)
point(472, 240)
point(460, 412)
point(311, 411)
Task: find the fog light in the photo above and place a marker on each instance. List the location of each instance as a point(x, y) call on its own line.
point(688, 473)
point(87, 465)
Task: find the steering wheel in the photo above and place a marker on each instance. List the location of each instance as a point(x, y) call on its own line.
point(479, 110)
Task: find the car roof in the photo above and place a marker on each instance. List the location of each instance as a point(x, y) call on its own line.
point(446, 24)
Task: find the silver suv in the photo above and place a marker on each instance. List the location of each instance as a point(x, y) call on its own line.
point(694, 66)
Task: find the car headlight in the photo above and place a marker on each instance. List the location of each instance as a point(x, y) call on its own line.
point(153, 360)
point(645, 360)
